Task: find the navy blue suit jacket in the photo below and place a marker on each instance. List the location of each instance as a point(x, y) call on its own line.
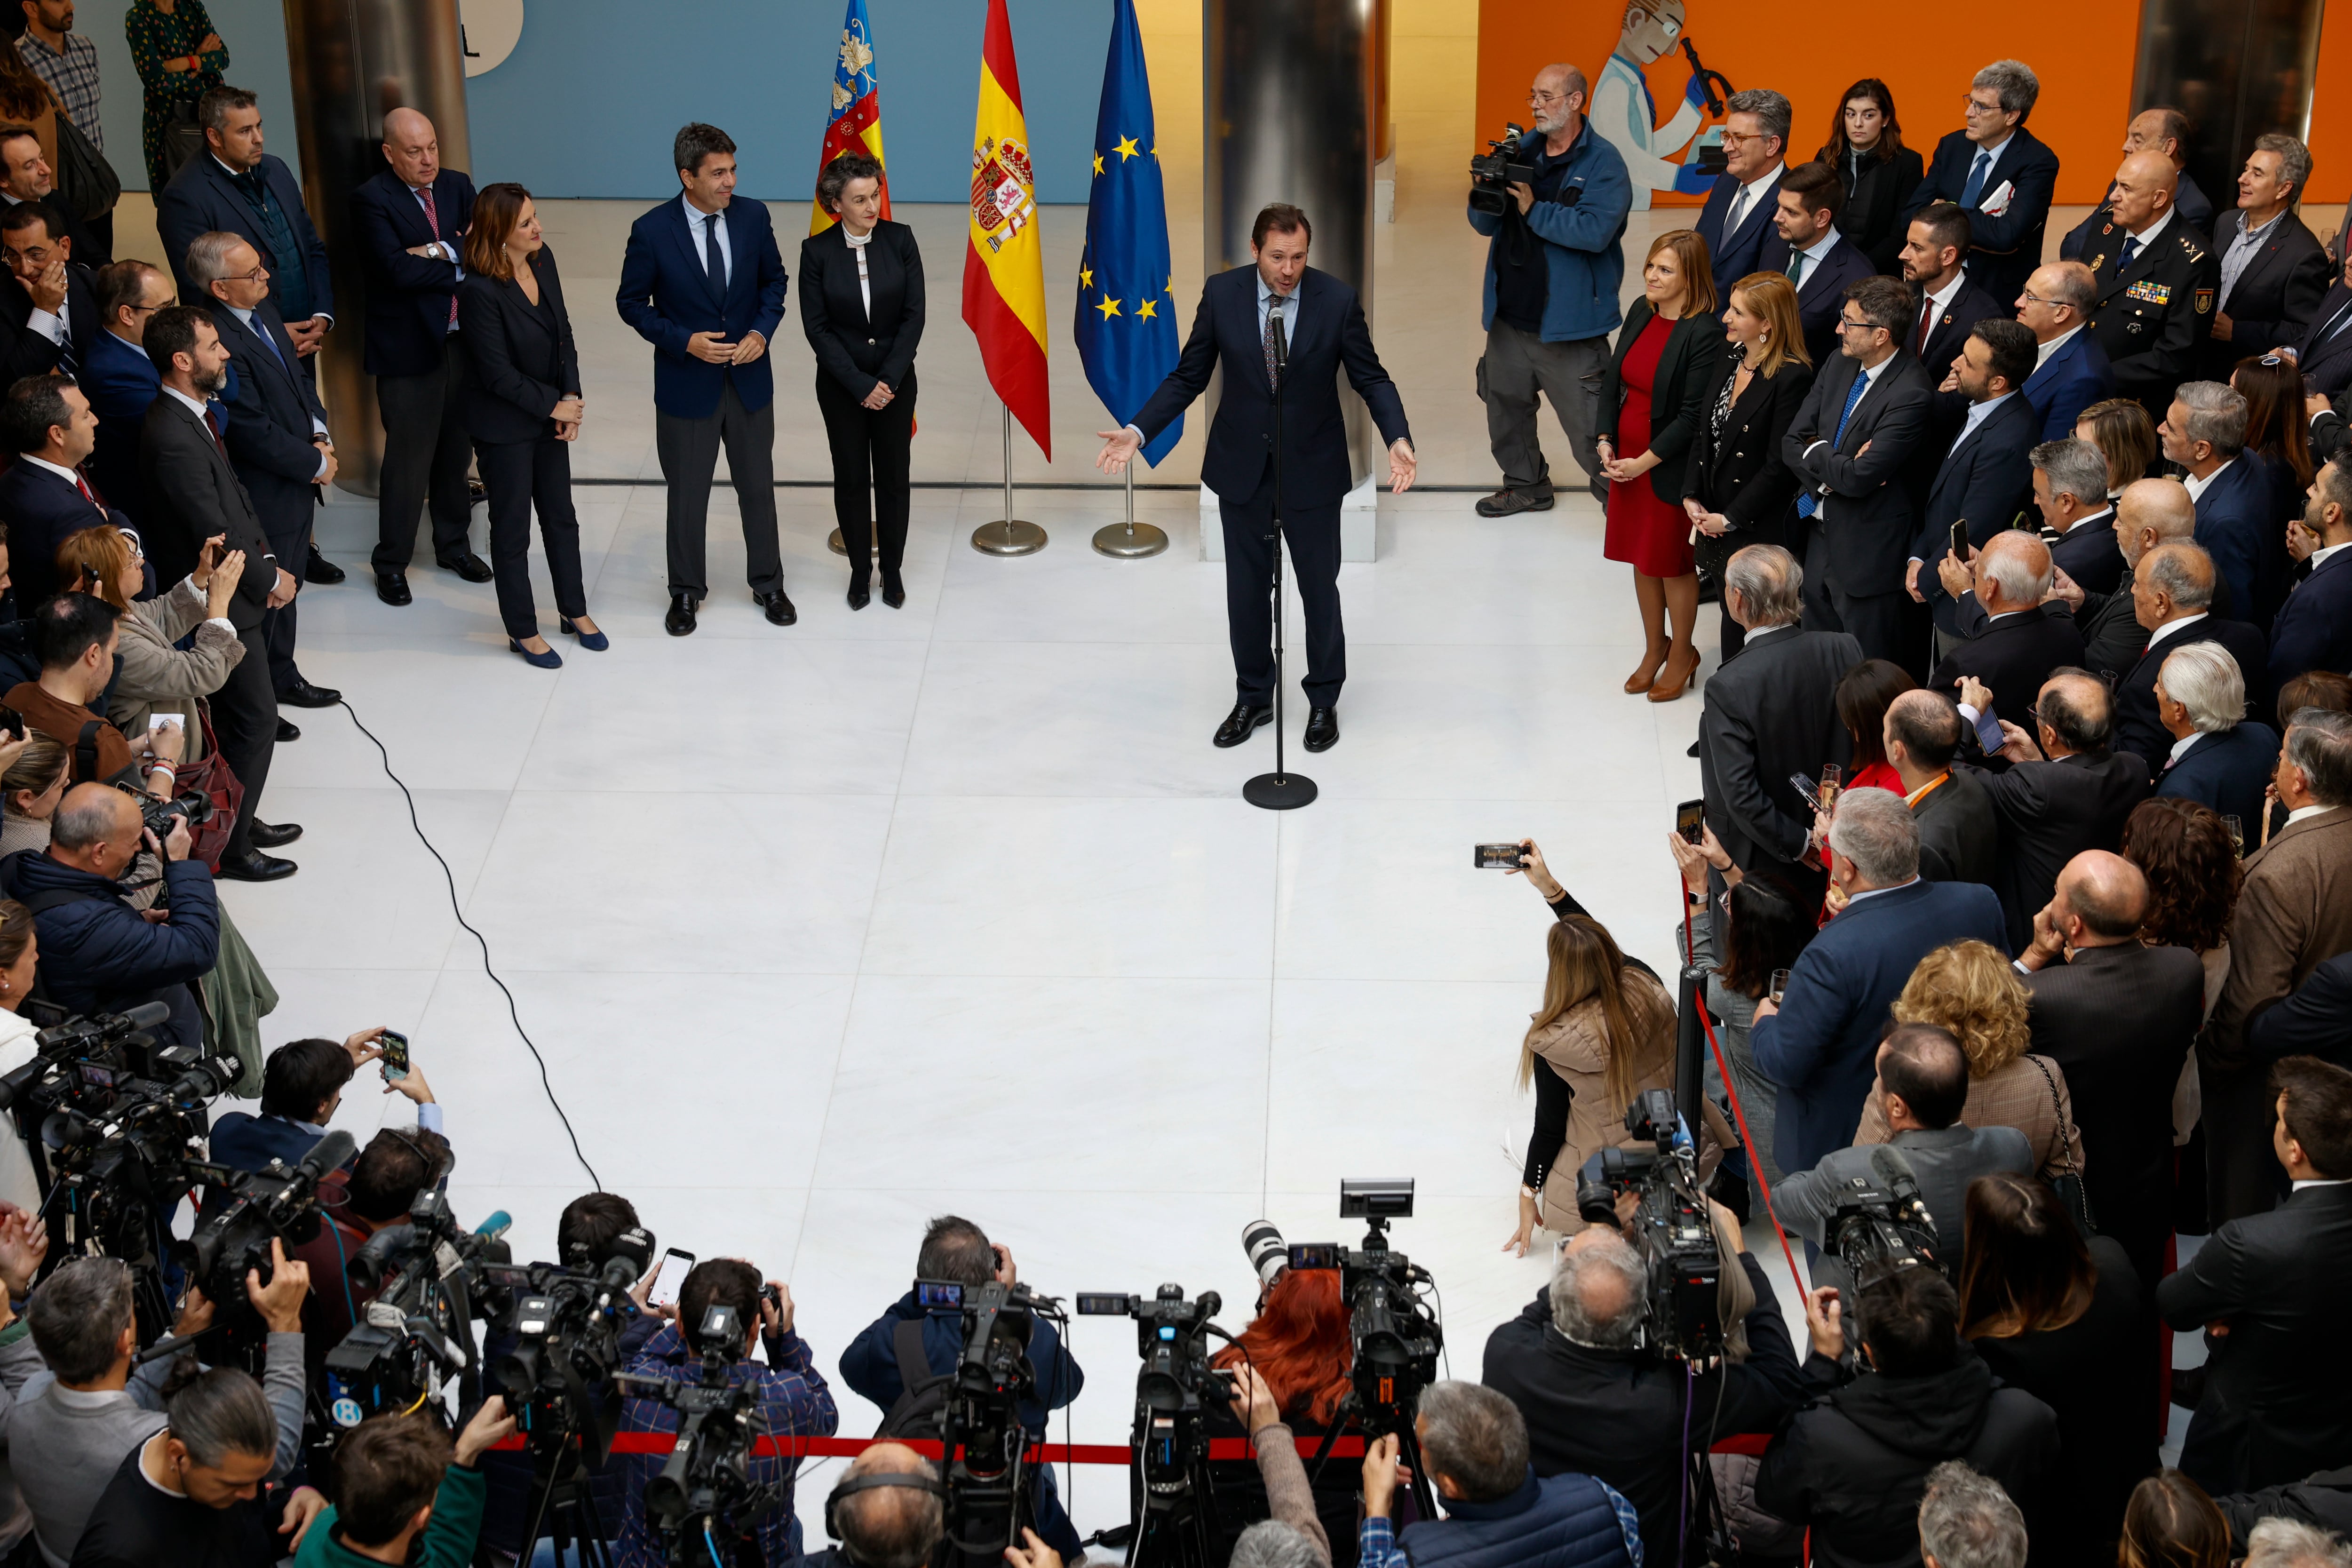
point(1821, 1047)
point(2315, 1020)
point(1985, 480)
point(2076, 375)
point(244, 1142)
point(2003, 252)
point(269, 440)
point(119, 380)
point(2314, 627)
point(2089, 554)
point(668, 296)
point(408, 296)
point(2138, 726)
point(2233, 516)
point(2228, 771)
point(41, 510)
point(1757, 247)
point(2324, 356)
point(200, 200)
point(1328, 333)
point(1821, 299)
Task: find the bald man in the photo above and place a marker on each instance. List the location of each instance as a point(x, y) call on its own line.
point(408, 219)
point(2022, 640)
point(2158, 129)
point(2149, 513)
point(2157, 277)
point(2066, 791)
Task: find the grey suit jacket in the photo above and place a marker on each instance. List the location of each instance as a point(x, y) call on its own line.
point(1946, 1161)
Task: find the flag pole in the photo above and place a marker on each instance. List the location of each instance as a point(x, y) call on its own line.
point(1133, 541)
point(1008, 535)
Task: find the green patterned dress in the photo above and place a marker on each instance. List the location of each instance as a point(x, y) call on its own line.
point(156, 38)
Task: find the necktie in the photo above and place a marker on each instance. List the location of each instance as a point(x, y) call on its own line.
point(1926, 322)
point(87, 493)
point(212, 423)
point(1976, 172)
point(1739, 211)
point(1796, 269)
point(67, 360)
point(714, 261)
point(2124, 253)
point(1810, 503)
point(433, 221)
point(2336, 324)
point(262, 331)
point(1273, 320)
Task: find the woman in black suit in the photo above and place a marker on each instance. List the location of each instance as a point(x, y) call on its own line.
point(1738, 488)
point(522, 408)
point(862, 307)
point(1865, 147)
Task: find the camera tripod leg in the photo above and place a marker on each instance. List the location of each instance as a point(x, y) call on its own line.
point(1409, 1451)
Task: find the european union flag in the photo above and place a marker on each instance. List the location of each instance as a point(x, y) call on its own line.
point(1126, 321)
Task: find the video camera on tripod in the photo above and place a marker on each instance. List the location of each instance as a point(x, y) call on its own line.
point(990, 1489)
point(1879, 1225)
point(703, 1504)
point(1672, 1227)
point(1174, 1512)
point(417, 1334)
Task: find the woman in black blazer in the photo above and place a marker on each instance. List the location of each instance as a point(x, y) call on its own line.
point(522, 408)
point(1738, 489)
point(862, 307)
point(1865, 147)
point(1649, 408)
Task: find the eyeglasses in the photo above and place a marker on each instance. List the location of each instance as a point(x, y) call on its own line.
point(1848, 324)
point(1735, 139)
point(1970, 106)
point(1543, 99)
point(258, 275)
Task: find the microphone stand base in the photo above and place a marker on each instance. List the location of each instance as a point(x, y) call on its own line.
point(1130, 540)
point(1011, 537)
point(1279, 792)
point(840, 547)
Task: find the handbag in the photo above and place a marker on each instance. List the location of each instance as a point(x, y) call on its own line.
point(183, 137)
point(2069, 1185)
point(87, 183)
point(215, 780)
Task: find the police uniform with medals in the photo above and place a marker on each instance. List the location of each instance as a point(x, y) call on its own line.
point(2155, 310)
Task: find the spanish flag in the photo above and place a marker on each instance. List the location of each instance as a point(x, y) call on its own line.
point(1003, 269)
point(854, 122)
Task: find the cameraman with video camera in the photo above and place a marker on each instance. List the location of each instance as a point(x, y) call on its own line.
point(374, 1194)
point(1553, 267)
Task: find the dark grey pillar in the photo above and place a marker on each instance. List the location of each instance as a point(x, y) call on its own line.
point(2237, 68)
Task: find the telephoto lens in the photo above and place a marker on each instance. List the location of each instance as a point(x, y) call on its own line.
point(1268, 1254)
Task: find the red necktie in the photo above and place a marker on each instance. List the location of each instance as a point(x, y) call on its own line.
point(1926, 319)
point(212, 423)
point(433, 218)
point(83, 485)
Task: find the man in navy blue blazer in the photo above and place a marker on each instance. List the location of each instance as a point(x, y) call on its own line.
point(409, 220)
point(1820, 1044)
point(235, 187)
point(2204, 431)
point(120, 380)
point(2312, 629)
point(2173, 592)
point(1822, 261)
point(1985, 480)
point(48, 426)
point(2219, 757)
point(1250, 318)
point(1737, 221)
point(704, 283)
point(301, 1084)
point(2002, 173)
point(2071, 369)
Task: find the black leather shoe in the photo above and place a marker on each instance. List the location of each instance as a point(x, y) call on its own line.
point(392, 587)
point(1509, 503)
point(302, 694)
point(779, 608)
point(1243, 720)
point(469, 566)
point(287, 731)
point(860, 597)
point(679, 622)
point(1322, 729)
point(318, 569)
point(257, 867)
point(894, 591)
point(273, 836)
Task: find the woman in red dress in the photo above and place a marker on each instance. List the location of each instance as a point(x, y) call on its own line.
point(1651, 406)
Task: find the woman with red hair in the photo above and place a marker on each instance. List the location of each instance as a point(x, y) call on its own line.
point(1299, 1343)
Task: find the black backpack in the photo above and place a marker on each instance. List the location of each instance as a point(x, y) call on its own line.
point(920, 1411)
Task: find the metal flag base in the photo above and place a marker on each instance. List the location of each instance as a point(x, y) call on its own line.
point(1279, 792)
point(1131, 541)
point(1008, 535)
point(838, 547)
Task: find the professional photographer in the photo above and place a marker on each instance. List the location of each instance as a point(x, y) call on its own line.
point(196, 1494)
point(1554, 262)
point(956, 1251)
point(1854, 1465)
point(301, 1085)
point(1597, 1401)
point(97, 954)
point(886, 1511)
point(405, 1494)
point(1474, 1444)
point(793, 1399)
point(382, 1184)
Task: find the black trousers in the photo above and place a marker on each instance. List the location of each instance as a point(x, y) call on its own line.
point(871, 457)
point(1880, 622)
point(245, 723)
point(519, 475)
point(1314, 536)
point(278, 626)
point(688, 450)
point(424, 453)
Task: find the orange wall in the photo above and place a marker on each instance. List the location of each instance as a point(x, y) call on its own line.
point(2084, 59)
point(2331, 119)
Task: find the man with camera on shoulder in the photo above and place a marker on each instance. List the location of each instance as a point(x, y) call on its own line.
point(375, 1194)
point(1554, 262)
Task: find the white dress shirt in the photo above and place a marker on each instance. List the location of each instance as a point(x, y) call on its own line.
point(2147, 237)
point(1814, 253)
point(857, 243)
point(2180, 747)
point(697, 222)
point(2196, 487)
point(2321, 554)
point(1751, 194)
point(2170, 628)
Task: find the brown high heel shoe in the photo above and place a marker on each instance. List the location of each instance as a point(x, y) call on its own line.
point(1675, 679)
point(1641, 679)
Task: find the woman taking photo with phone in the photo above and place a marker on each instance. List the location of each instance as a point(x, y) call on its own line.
point(156, 677)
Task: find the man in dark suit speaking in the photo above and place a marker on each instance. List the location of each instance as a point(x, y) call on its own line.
point(1247, 318)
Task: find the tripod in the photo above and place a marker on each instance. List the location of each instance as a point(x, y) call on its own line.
point(568, 1508)
point(1400, 1420)
point(1279, 790)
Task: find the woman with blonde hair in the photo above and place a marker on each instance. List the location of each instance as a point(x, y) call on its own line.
point(157, 677)
point(1605, 1033)
point(1971, 989)
point(1738, 486)
point(30, 788)
point(2124, 436)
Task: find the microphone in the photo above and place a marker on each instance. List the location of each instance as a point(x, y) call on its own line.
point(1281, 338)
point(497, 1226)
point(328, 1154)
point(1892, 1171)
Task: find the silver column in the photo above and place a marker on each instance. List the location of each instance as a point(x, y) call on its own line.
point(2238, 69)
point(352, 62)
point(1294, 89)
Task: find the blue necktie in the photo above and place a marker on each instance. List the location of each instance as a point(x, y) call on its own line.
point(262, 331)
point(2124, 255)
point(1976, 172)
point(714, 261)
point(1810, 503)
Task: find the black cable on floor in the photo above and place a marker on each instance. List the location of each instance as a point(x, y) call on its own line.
point(450, 878)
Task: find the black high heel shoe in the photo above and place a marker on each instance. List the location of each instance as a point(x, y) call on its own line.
point(858, 596)
point(894, 591)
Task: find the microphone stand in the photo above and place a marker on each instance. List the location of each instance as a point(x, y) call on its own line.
point(1279, 790)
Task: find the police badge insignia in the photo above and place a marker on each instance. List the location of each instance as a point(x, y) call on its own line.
point(2204, 301)
point(2098, 261)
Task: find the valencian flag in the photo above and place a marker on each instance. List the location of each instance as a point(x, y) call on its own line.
point(1004, 268)
point(1126, 321)
point(855, 123)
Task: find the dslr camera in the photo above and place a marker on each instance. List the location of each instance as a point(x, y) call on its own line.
point(1879, 1224)
point(156, 813)
point(1493, 172)
point(1672, 1229)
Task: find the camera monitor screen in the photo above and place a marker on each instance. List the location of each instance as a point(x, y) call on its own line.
point(938, 1293)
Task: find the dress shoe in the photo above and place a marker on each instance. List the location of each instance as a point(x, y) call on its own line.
point(594, 642)
point(779, 608)
point(1239, 723)
point(1322, 729)
point(1676, 678)
point(550, 660)
point(860, 597)
point(1644, 678)
point(257, 867)
point(1510, 502)
point(318, 569)
point(302, 694)
point(1693, 752)
point(269, 835)
point(679, 622)
point(392, 587)
point(894, 591)
point(287, 731)
point(469, 566)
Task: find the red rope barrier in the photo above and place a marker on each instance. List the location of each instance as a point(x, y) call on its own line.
point(792, 1448)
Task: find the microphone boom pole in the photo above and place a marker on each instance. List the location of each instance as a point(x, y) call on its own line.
point(1279, 790)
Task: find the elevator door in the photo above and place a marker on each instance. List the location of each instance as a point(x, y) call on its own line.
point(2238, 69)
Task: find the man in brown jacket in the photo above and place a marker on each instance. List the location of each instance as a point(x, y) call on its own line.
point(2295, 914)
